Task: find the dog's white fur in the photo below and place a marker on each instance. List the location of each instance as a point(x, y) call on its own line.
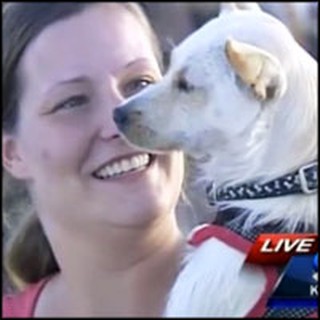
point(211, 109)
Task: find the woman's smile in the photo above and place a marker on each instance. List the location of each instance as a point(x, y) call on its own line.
point(126, 166)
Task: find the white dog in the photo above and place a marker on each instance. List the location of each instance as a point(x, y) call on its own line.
point(240, 97)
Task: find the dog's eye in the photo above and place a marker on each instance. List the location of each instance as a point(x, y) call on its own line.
point(184, 85)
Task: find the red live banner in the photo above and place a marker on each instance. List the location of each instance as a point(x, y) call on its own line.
point(279, 248)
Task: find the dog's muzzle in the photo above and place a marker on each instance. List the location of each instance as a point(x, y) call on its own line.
point(124, 116)
point(120, 117)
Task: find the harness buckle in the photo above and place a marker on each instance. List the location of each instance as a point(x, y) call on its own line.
point(303, 178)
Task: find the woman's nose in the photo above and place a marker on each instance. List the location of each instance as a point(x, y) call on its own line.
point(109, 129)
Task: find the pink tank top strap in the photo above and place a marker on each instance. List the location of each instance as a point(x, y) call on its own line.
point(22, 304)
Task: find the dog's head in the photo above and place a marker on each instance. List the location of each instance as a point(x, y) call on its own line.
point(220, 81)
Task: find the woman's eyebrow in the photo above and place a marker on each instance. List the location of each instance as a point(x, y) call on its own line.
point(73, 80)
point(139, 60)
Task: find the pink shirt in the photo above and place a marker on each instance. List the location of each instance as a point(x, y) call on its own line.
point(22, 304)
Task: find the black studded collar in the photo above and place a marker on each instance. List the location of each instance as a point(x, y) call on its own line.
point(304, 180)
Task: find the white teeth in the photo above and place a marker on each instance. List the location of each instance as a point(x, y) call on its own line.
point(134, 162)
point(117, 168)
point(122, 166)
point(125, 165)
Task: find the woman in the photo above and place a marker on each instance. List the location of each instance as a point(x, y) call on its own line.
point(112, 246)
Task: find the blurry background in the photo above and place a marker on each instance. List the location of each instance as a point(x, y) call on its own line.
point(173, 21)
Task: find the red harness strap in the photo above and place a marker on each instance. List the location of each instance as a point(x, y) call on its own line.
point(206, 231)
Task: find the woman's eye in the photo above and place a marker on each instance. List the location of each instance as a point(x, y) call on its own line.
point(72, 102)
point(136, 85)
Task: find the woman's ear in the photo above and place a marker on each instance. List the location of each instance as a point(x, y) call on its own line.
point(12, 157)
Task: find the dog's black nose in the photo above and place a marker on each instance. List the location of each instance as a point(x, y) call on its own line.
point(120, 116)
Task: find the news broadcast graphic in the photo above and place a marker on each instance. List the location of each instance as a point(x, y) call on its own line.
point(297, 254)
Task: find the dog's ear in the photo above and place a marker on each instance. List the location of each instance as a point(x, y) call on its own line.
point(226, 7)
point(248, 6)
point(257, 68)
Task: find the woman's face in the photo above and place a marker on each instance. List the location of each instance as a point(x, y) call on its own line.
point(74, 74)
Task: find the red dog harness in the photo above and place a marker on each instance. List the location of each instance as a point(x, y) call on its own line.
point(204, 232)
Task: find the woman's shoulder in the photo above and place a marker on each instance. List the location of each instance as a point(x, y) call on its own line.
point(21, 304)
